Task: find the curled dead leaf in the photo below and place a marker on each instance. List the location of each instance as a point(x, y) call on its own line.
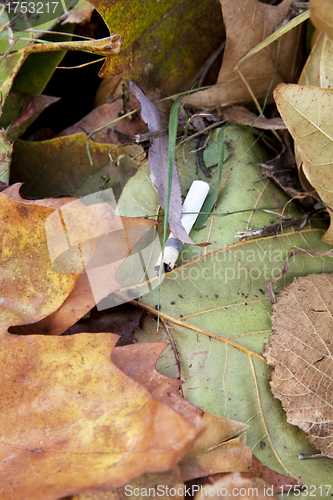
point(249, 22)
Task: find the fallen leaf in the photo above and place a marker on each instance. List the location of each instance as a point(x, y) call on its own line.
point(322, 16)
point(307, 112)
point(21, 110)
point(40, 166)
point(301, 352)
point(214, 450)
point(217, 449)
point(161, 48)
point(30, 288)
point(215, 302)
point(78, 423)
point(117, 133)
point(6, 149)
point(81, 298)
point(318, 69)
point(249, 22)
point(236, 486)
point(89, 290)
point(239, 114)
point(122, 321)
point(158, 164)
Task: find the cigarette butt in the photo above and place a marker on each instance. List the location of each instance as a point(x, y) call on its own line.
point(192, 205)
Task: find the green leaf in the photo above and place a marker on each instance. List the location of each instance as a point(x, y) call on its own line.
point(217, 307)
point(165, 44)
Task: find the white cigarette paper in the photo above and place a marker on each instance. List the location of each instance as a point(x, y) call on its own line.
point(191, 207)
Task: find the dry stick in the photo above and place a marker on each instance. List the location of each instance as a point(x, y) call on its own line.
point(104, 47)
point(302, 220)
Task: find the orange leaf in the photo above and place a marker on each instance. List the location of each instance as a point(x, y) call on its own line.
point(77, 423)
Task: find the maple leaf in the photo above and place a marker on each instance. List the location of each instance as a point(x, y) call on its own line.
point(77, 422)
point(301, 351)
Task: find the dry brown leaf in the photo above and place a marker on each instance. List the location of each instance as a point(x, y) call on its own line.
point(215, 450)
point(72, 301)
point(239, 114)
point(307, 112)
point(249, 22)
point(301, 352)
point(322, 16)
point(81, 300)
point(29, 286)
point(138, 362)
point(77, 422)
point(235, 486)
point(318, 69)
point(117, 133)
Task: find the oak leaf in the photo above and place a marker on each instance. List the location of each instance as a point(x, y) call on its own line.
point(301, 350)
point(249, 22)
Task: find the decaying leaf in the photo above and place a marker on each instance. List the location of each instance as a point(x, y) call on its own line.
point(30, 288)
point(301, 351)
point(235, 486)
point(283, 171)
point(77, 422)
point(249, 22)
point(158, 164)
point(217, 449)
point(39, 286)
point(165, 44)
point(322, 16)
point(307, 112)
point(40, 165)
